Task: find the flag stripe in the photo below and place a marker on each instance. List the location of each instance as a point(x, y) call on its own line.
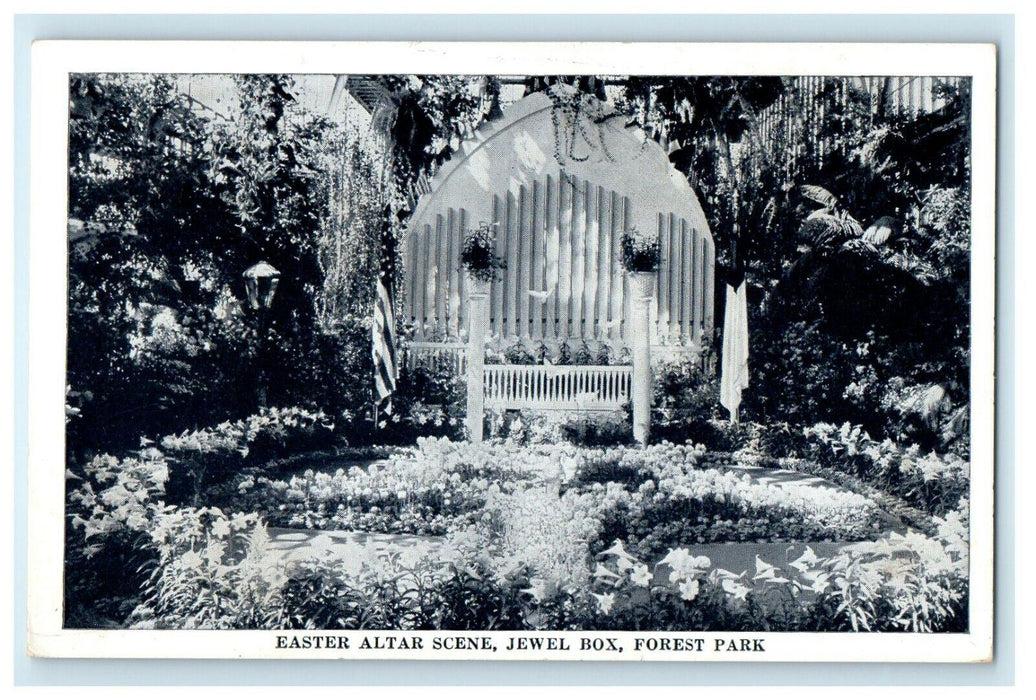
point(383, 330)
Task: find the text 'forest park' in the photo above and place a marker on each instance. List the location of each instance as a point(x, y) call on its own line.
point(517, 643)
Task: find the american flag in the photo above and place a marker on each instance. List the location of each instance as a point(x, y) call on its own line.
point(383, 331)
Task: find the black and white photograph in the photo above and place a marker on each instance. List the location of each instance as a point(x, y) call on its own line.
point(544, 365)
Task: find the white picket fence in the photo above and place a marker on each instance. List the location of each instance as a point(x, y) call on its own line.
point(557, 387)
point(437, 355)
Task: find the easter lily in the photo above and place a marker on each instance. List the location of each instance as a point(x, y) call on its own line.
point(735, 589)
point(605, 601)
point(640, 575)
point(689, 589)
point(617, 550)
point(807, 559)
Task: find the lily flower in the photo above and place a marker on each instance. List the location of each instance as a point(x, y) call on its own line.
point(766, 572)
point(689, 589)
point(806, 560)
point(735, 589)
point(640, 575)
point(605, 601)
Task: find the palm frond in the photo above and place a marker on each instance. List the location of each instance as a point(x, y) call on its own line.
point(852, 227)
point(859, 245)
point(932, 403)
point(819, 195)
point(825, 230)
point(957, 424)
point(881, 230)
point(914, 265)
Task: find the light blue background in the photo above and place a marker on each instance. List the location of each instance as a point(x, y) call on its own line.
point(997, 29)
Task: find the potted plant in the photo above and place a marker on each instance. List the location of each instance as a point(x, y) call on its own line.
point(478, 259)
point(641, 255)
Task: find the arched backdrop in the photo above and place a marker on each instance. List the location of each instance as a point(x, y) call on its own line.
point(559, 187)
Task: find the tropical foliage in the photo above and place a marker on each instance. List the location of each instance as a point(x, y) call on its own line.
point(854, 239)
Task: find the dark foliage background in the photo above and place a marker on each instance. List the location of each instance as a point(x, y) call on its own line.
point(170, 202)
point(854, 236)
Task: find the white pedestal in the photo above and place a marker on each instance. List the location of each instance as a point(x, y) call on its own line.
point(478, 328)
point(642, 293)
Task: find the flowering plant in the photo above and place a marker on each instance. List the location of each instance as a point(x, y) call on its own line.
point(902, 583)
point(214, 572)
point(932, 482)
point(640, 252)
point(478, 256)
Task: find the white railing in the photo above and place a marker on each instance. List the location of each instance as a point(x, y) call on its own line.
point(557, 387)
point(435, 355)
point(675, 353)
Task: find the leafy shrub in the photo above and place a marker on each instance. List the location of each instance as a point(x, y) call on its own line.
point(921, 413)
point(214, 572)
point(779, 439)
point(685, 408)
point(112, 503)
point(109, 506)
point(332, 371)
point(353, 586)
point(201, 458)
point(683, 384)
point(430, 401)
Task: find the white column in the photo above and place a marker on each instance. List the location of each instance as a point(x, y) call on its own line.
point(642, 292)
point(478, 328)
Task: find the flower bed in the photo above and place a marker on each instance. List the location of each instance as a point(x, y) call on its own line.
point(680, 503)
point(909, 583)
point(530, 537)
point(218, 572)
point(656, 496)
point(425, 490)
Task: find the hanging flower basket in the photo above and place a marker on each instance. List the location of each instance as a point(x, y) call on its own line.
point(640, 252)
point(477, 256)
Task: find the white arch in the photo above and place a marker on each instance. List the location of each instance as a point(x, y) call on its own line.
point(519, 147)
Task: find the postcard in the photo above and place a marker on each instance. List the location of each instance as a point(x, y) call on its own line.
point(531, 351)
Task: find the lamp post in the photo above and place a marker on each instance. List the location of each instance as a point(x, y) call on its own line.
point(261, 282)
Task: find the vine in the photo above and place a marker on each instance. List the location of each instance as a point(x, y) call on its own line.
point(567, 106)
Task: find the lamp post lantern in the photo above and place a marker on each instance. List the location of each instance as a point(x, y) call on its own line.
point(261, 282)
